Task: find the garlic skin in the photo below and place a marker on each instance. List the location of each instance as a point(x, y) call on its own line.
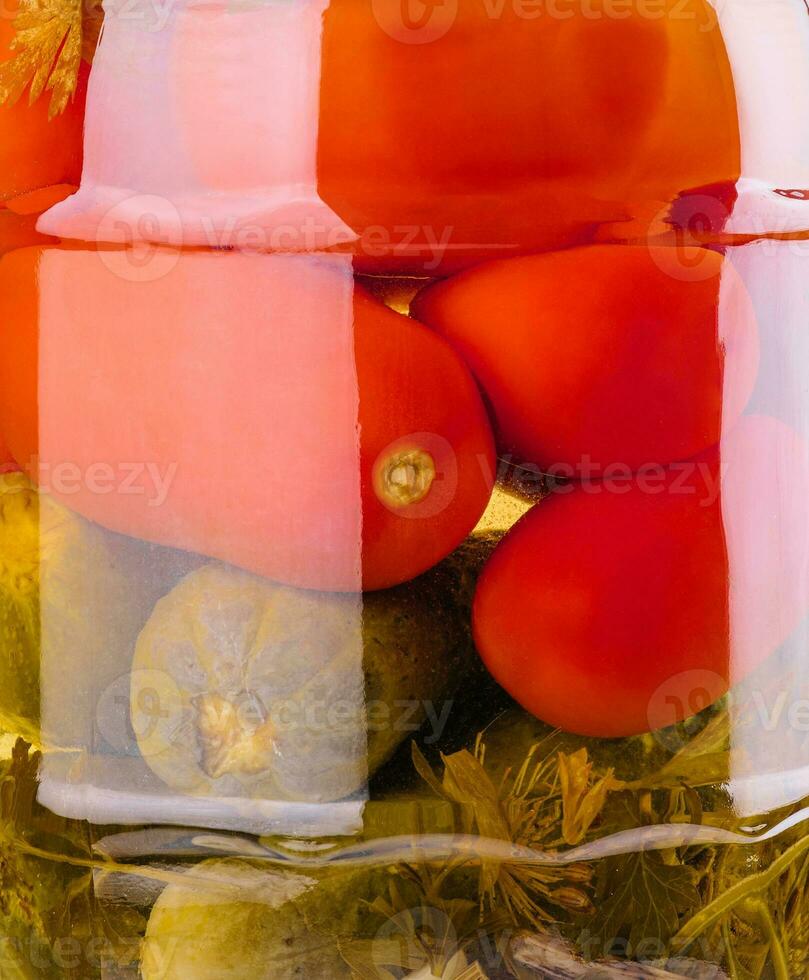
point(259, 690)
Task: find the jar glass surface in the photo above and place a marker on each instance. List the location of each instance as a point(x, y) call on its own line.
point(404, 489)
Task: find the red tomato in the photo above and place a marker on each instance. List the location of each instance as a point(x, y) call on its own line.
point(587, 107)
point(5, 454)
point(259, 409)
point(431, 233)
point(36, 151)
point(18, 219)
point(18, 231)
point(605, 355)
point(619, 608)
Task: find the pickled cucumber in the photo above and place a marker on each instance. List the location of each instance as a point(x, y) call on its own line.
point(237, 921)
point(266, 691)
point(19, 607)
point(73, 598)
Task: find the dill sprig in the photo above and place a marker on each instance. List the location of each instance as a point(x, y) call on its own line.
point(51, 38)
point(546, 802)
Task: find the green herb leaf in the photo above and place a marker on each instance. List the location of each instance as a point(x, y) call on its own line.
point(643, 898)
point(702, 761)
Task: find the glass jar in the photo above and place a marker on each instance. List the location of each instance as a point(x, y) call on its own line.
point(404, 557)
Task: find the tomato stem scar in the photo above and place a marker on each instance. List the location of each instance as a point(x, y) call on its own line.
point(405, 477)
